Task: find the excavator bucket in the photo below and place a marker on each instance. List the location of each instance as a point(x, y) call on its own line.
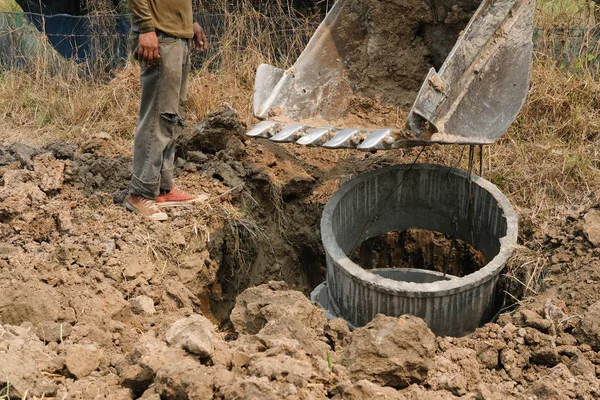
point(396, 73)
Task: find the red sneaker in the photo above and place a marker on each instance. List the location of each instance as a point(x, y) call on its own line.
point(175, 197)
point(144, 207)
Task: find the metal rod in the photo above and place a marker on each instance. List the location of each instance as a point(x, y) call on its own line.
point(470, 213)
point(481, 160)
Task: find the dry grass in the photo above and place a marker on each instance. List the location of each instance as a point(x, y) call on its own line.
point(564, 13)
point(53, 101)
point(64, 107)
point(9, 5)
point(550, 158)
point(249, 39)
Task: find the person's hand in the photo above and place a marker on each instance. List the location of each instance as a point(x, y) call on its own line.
point(148, 49)
point(200, 40)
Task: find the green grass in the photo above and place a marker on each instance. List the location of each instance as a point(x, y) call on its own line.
point(9, 5)
point(550, 13)
point(570, 6)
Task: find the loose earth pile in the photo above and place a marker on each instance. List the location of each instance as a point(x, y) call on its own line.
point(98, 303)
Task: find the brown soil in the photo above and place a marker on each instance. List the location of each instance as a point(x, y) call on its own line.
point(98, 303)
point(421, 249)
point(362, 112)
point(388, 57)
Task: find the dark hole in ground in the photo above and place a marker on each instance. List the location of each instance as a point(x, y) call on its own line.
point(312, 264)
point(218, 177)
point(432, 251)
point(420, 249)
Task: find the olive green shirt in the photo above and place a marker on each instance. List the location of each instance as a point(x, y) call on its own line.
point(173, 17)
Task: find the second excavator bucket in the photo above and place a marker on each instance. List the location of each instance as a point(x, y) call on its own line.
point(396, 73)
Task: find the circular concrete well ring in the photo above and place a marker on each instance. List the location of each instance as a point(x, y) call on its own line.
point(424, 196)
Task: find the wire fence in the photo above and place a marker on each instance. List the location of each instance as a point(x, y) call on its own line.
point(573, 48)
point(100, 41)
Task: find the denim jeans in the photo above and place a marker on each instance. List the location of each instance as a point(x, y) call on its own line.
point(162, 115)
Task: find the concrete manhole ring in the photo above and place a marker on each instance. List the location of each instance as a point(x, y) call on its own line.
point(420, 196)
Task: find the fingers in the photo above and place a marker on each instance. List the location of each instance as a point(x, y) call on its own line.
point(148, 48)
point(149, 55)
point(144, 54)
point(203, 41)
point(199, 44)
point(200, 39)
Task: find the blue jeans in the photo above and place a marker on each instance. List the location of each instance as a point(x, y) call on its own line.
point(162, 115)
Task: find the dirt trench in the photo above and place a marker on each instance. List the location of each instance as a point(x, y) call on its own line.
point(258, 225)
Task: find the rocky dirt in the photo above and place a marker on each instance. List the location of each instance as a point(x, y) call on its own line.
point(98, 303)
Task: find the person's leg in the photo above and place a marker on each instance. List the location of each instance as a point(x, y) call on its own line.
point(160, 100)
point(171, 196)
point(178, 119)
point(159, 117)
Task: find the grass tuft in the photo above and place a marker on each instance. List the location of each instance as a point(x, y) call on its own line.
point(10, 6)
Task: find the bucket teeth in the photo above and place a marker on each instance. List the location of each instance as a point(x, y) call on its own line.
point(327, 137)
point(380, 139)
point(346, 138)
point(315, 137)
point(290, 133)
point(263, 129)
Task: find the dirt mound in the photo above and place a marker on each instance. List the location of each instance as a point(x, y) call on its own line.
point(102, 276)
point(100, 304)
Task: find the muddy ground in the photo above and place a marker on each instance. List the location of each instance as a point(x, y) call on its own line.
point(98, 303)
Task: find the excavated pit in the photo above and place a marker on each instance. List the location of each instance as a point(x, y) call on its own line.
point(372, 206)
point(419, 249)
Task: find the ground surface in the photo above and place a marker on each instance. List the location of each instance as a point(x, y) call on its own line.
point(98, 303)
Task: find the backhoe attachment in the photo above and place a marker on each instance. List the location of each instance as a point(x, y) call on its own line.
point(397, 73)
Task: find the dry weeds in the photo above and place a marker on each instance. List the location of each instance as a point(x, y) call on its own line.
point(9, 5)
point(49, 101)
point(565, 13)
point(550, 157)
